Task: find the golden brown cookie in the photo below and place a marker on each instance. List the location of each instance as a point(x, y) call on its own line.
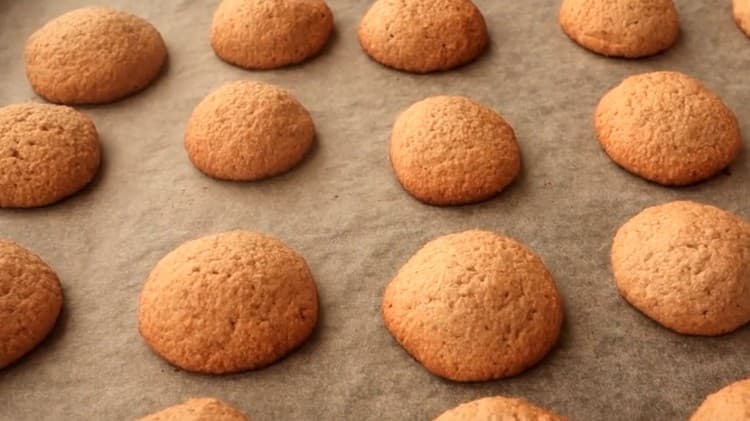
point(450, 150)
point(93, 55)
point(423, 36)
point(731, 403)
point(474, 306)
point(248, 131)
point(687, 266)
point(498, 408)
point(667, 128)
point(262, 34)
point(621, 28)
point(741, 12)
point(228, 302)
point(198, 409)
point(47, 153)
point(30, 301)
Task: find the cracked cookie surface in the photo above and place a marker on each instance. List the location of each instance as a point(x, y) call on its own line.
point(668, 128)
point(30, 301)
point(228, 302)
point(621, 28)
point(423, 36)
point(474, 306)
point(260, 34)
point(450, 150)
point(47, 153)
point(247, 131)
point(685, 265)
point(93, 55)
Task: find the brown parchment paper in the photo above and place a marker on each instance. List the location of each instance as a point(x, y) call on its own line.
point(344, 211)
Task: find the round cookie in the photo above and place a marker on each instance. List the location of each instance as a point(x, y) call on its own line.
point(423, 36)
point(621, 28)
point(30, 301)
point(47, 153)
point(685, 265)
point(668, 128)
point(731, 403)
point(262, 34)
point(741, 12)
point(248, 131)
point(450, 150)
point(498, 408)
point(93, 55)
point(474, 306)
point(198, 409)
point(228, 302)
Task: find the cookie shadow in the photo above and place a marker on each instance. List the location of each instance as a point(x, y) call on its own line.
point(42, 350)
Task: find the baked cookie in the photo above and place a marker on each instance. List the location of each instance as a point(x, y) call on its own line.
point(621, 28)
point(741, 11)
point(423, 36)
point(47, 152)
point(474, 306)
point(667, 128)
point(248, 131)
point(498, 408)
point(262, 34)
point(450, 150)
point(199, 409)
point(731, 403)
point(687, 266)
point(227, 303)
point(93, 55)
point(30, 301)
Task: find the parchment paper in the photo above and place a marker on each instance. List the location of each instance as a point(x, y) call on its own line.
point(345, 212)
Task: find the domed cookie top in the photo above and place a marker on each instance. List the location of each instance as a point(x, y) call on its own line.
point(474, 306)
point(731, 403)
point(668, 128)
point(30, 301)
point(450, 150)
point(687, 266)
point(228, 302)
point(262, 34)
point(248, 131)
point(93, 55)
point(199, 409)
point(423, 36)
point(621, 28)
point(498, 408)
point(741, 11)
point(47, 152)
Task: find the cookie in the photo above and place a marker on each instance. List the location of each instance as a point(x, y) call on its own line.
point(248, 131)
point(47, 153)
point(474, 306)
point(731, 403)
point(685, 265)
point(498, 408)
point(668, 128)
point(741, 12)
point(228, 302)
point(261, 34)
point(423, 36)
point(450, 150)
point(93, 55)
point(198, 409)
point(621, 28)
point(30, 301)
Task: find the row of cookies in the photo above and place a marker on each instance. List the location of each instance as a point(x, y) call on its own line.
point(97, 55)
point(470, 306)
point(663, 126)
